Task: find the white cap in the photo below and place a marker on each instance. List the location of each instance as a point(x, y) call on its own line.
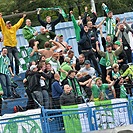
point(32, 67)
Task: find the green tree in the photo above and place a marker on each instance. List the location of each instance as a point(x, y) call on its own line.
point(19, 6)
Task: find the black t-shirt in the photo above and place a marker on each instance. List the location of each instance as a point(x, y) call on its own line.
point(111, 78)
point(125, 43)
point(93, 34)
point(79, 65)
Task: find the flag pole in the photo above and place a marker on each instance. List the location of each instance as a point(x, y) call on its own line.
point(19, 14)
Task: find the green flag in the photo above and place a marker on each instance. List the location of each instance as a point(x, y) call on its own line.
point(23, 58)
point(72, 121)
point(56, 8)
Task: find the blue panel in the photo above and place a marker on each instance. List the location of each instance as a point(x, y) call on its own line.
point(66, 28)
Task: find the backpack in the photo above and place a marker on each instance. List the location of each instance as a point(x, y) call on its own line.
point(18, 108)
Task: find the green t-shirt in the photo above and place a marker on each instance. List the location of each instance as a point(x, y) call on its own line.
point(35, 56)
point(42, 38)
point(128, 72)
point(1, 90)
point(102, 61)
point(96, 90)
point(122, 91)
point(65, 66)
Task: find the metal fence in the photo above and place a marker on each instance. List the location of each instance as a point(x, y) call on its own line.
point(74, 120)
point(68, 120)
point(23, 124)
point(110, 116)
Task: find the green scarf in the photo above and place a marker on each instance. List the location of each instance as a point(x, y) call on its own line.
point(115, 75)
point(107, 58)
point(77, 90)
point(123, 93)
point(31, 29)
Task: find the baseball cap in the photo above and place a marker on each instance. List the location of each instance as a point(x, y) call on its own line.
point(115, 65)
point(97, 79)
point(117, 43)
point(88, 15)
point(32, 67)
point(108, 44)
point(87, 62)
point(8, 22)
point(60, 35)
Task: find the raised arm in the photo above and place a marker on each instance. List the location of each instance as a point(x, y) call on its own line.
point(35, 49)
point(101, 53)
point(85, 15)
point(117, 30)
point(94, 19)
point(55, 22)
point(119, 50)
point(90, 82)
point(2, 23)
point(97, 26)
point(111, 84)
point(20, 22)
point(43, 23)
point(102, 38)
point(56, 45)
point(128, 28)
point(76, 26)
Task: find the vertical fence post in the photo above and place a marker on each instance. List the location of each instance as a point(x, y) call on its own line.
point(44, 120)
point(130, 113)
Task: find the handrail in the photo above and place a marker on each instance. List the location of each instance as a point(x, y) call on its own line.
point(69, 38)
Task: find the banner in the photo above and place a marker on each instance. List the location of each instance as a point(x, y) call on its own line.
point(71, 122)
point(56, 8)
point(27, 124)
point(23, 59)
point(106, 117)
point(75, 120)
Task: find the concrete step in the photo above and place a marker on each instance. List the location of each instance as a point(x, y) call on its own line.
point(8, 104)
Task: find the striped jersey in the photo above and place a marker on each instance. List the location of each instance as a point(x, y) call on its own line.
point(110, 26)
point(4, 64)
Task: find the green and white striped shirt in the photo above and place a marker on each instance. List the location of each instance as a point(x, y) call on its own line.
point(4, 64)
point(110, 26)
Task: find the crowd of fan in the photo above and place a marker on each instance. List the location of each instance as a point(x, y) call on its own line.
point(55, 76)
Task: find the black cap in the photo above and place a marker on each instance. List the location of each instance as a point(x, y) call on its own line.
point(88, 15)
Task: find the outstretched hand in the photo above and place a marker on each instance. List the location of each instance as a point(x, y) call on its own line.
point(92, 10)
point(86, 9)
point(103, 4)
point(0, 15)
point(60, 11)
point(38, 10)
point(124, 21)
point(24, 15)
point(71, 12)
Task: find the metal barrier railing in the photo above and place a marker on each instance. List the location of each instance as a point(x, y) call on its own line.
point(109, 116)
point(68, 120)
point(76, 119)
point(21, 124)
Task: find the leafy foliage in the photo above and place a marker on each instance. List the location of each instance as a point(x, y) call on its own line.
point(19, 6)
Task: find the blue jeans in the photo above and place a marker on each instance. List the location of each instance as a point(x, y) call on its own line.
point(46, 100)
point(39, 97)
point(6, 85)
point(13, 52)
